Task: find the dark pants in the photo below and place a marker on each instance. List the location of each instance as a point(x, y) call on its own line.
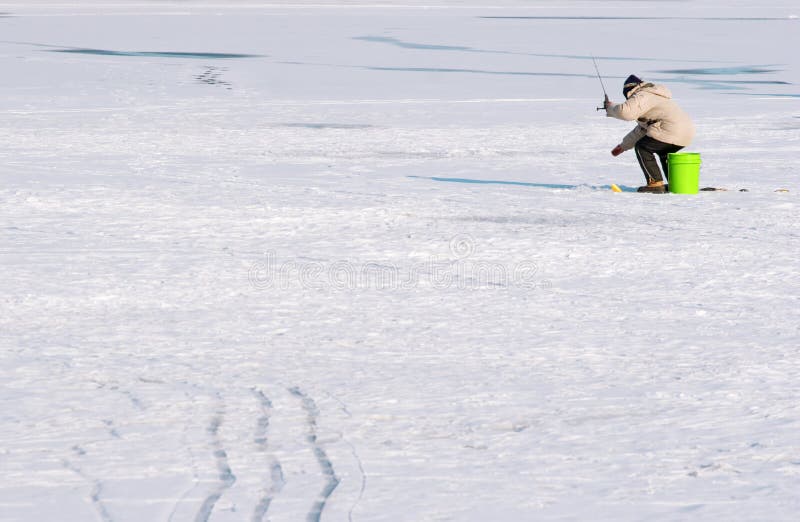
point(646, 151)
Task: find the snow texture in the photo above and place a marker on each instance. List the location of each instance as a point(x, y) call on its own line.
point(359, 261)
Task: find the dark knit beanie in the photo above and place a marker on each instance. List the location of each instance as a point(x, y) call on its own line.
point(631, 82)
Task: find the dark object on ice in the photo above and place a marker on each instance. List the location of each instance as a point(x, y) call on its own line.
point(720, 189)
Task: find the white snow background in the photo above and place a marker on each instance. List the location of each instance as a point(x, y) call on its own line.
point(361, 262)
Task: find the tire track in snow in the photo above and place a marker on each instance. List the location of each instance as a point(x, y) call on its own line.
point(324, 461)
point(226, 476)
point(277, 480)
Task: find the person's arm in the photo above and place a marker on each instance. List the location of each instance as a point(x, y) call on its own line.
point(630, 110)
point(629, 141)
point(632, 137)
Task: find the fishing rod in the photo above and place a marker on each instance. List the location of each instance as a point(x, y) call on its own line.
point(601, 84)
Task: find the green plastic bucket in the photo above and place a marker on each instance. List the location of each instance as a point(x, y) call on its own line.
point(684, 172)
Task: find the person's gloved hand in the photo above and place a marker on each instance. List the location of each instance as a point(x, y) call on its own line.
point(607, 103)
point(617, 150)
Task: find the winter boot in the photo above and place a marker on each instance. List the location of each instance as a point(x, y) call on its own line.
point(654, 187)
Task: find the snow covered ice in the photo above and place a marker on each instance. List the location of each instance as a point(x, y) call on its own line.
point(359, 261)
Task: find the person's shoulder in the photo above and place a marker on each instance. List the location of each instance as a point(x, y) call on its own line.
point(656, 89)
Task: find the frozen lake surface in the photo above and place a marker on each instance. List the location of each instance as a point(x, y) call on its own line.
point(361, 262)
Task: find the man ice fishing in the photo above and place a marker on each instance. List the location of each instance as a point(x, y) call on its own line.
point(663, 127)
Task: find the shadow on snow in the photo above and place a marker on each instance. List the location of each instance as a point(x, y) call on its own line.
point(554, 186)
point(155, 54)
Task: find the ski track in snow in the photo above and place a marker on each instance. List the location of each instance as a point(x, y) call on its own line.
point(363, 473)
point(96, 485)
point(325, 464)
point(193, 464)
point(356, 458)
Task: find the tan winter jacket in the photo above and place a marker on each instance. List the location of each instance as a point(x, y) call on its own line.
point(658, 115)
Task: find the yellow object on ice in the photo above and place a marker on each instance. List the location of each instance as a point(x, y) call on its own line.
point(615, 188)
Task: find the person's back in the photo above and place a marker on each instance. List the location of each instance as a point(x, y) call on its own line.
point(653, 104)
